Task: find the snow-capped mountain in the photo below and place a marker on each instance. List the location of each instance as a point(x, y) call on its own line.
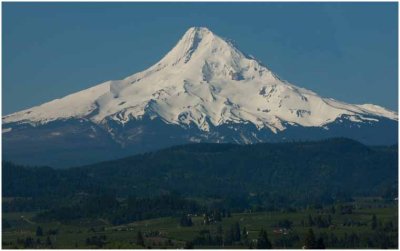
point(204, 89)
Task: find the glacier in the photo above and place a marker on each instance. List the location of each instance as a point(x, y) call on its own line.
point(205, 89)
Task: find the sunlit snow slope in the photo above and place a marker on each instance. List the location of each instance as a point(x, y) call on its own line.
point(204, 79)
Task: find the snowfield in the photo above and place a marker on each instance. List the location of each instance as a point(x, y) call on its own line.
point(203, 81)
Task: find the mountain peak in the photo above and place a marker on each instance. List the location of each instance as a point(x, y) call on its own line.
point(204, 80)
point(194, 36)
point(203, 90)
point(195, 39)
point(199, 31)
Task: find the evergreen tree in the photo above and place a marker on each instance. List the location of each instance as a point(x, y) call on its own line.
point(186, 221)
point(28, 243)
point(39, 231)
point(206, 219)
point(310, 221)
point(245, 237)
point(98, 241)
point(189, 245)
point(48, 242)
point(219, 230)
point(320, 243)
point(353, 240)
point(244, 233)
point(374, 222)
point(236, 232)
point(263, 241)
point(389, 227)
point(309, 241)
point(6, 224)
point(140, 239)
point(217, 215)
point(169, 242)
point(219, 235)
point(228, 236)
point(329, 220)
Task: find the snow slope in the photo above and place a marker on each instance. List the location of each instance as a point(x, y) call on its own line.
point(203, 81)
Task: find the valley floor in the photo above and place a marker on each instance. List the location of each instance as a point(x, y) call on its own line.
point(364, 223)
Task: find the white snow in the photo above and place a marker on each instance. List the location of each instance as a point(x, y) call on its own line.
point(5, 130)
point(203, 78)
point(79, 104)
point(379, 110)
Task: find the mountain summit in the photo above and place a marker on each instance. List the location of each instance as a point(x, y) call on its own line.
point(204, 89)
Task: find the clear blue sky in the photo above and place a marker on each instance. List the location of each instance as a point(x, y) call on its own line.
point(347, 51)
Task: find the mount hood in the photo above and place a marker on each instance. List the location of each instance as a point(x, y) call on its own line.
point(203, 90)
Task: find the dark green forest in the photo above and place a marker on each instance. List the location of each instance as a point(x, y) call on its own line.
point(298, 172)
point(216, 182)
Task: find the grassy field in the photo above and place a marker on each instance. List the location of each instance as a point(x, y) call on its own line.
point(167, 233)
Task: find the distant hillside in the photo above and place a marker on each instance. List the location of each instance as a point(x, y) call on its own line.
point(279, 173)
